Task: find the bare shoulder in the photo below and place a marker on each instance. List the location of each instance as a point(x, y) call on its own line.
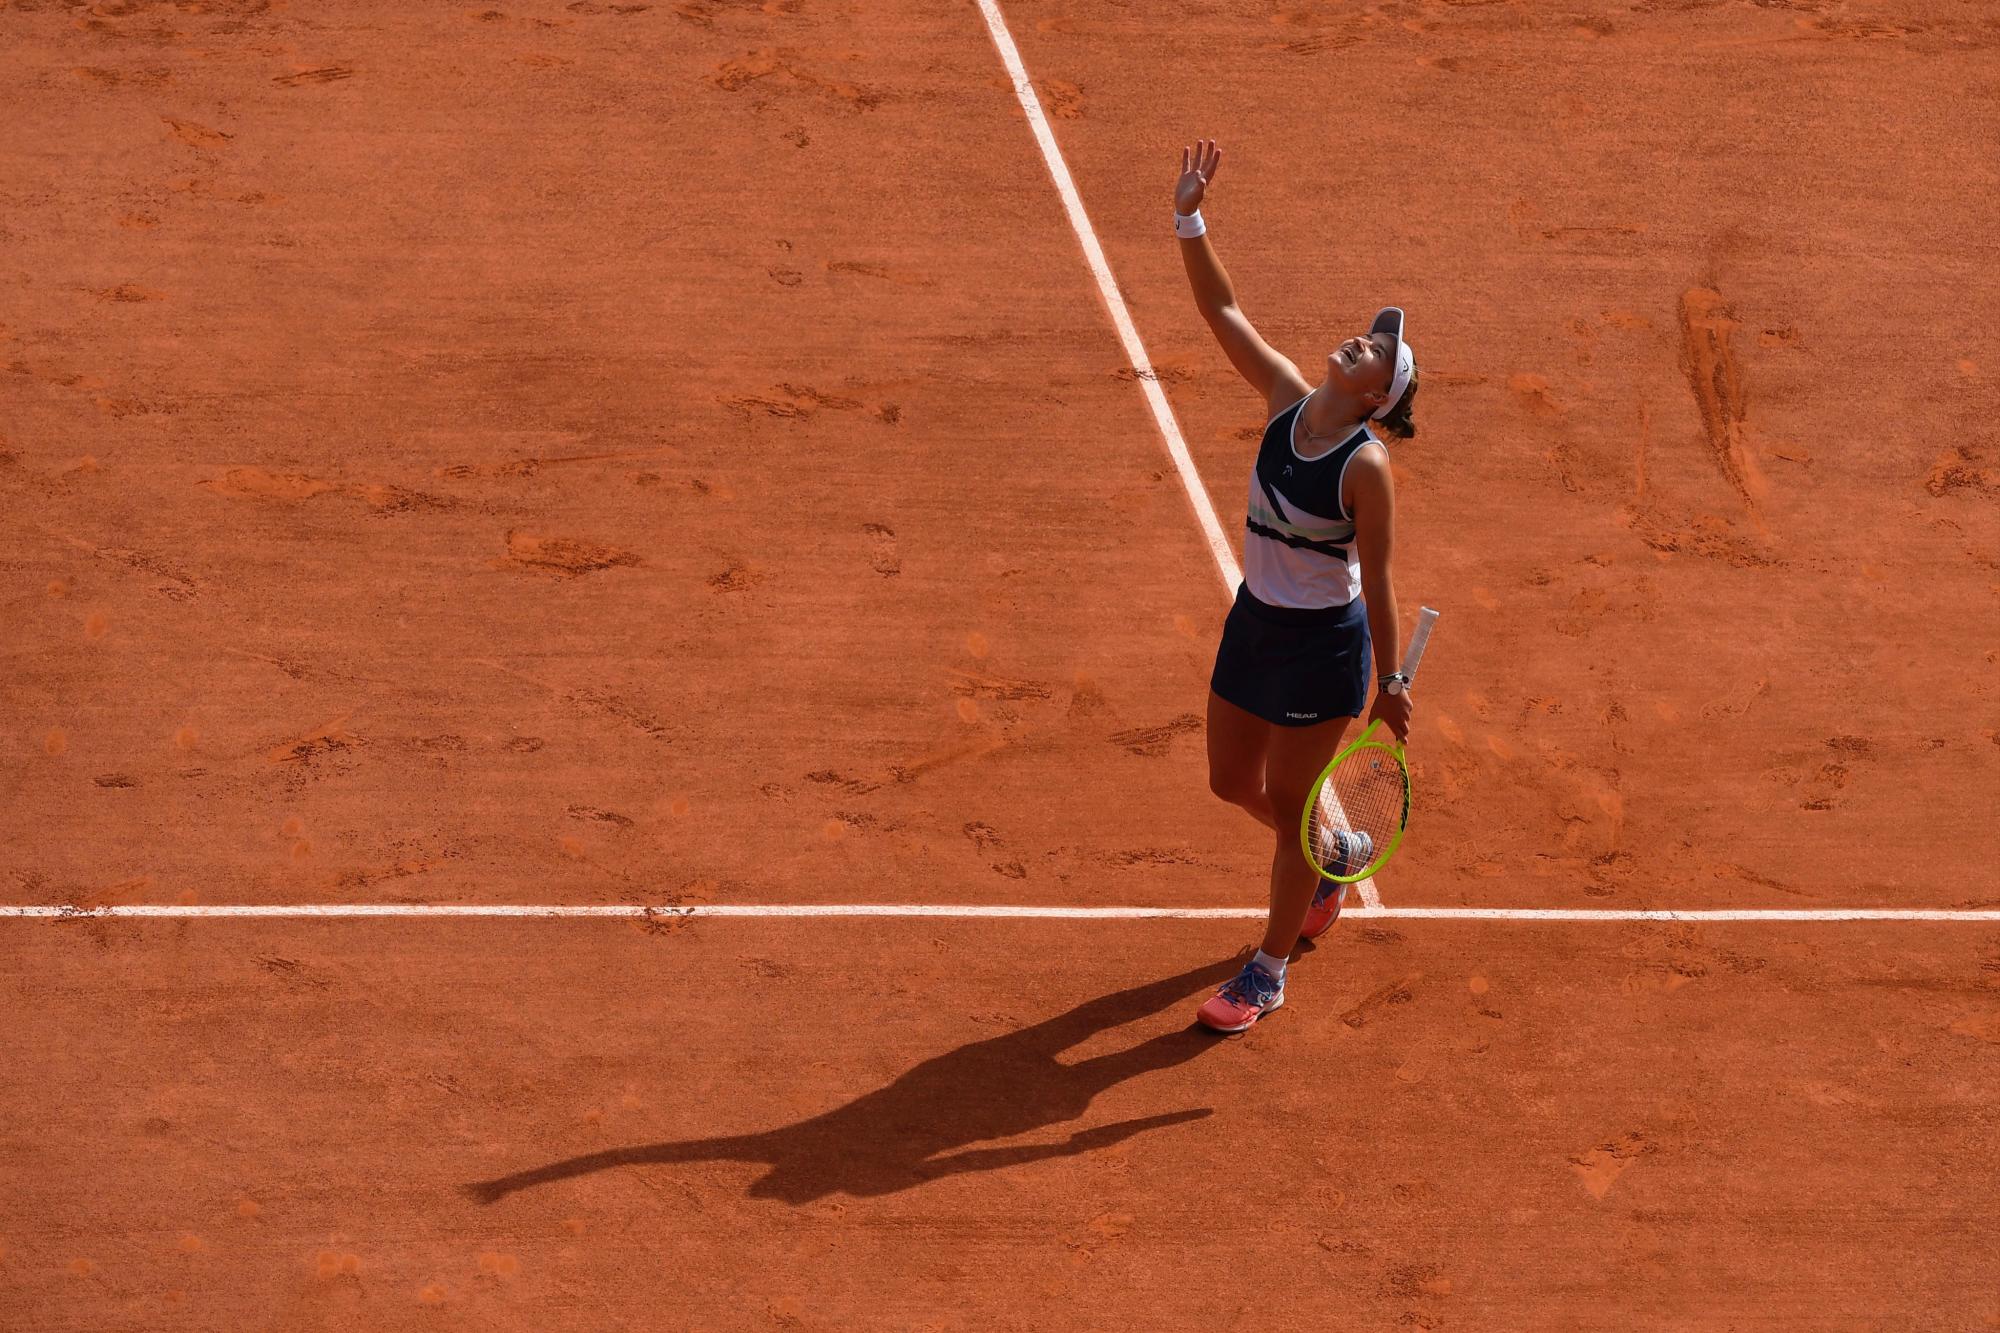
point(1369, 484)
point(1286, 389)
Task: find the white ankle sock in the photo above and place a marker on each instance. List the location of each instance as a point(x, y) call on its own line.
point(1275, 966)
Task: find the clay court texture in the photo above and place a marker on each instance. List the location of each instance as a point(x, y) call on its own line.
point(512, 512)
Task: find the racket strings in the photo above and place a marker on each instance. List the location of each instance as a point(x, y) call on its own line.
point(1366, 793)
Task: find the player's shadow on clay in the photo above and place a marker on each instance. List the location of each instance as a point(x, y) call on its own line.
point(917, 1128)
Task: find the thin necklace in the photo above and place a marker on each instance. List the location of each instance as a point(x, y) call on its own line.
point(1311, 434)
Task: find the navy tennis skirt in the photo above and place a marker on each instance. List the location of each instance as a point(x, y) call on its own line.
point(1293, 667)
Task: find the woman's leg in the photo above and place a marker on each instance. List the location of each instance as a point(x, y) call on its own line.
point(1237, 741)
point(1294, 758)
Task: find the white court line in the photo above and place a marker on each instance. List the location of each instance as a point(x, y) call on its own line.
point(1135, 351)
point(1107, 287)
point(311, 911)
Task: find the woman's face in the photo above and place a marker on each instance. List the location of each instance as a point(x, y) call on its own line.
point(1362, 365)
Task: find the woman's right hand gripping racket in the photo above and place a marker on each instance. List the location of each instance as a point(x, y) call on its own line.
point(1357, 810)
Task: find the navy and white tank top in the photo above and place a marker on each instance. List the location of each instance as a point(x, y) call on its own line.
point(1299, 548)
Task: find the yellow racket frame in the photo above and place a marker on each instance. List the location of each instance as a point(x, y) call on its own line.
point(1393, 748)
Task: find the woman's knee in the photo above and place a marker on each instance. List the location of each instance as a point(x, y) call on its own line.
point(1288, 804)
point(1237, 786)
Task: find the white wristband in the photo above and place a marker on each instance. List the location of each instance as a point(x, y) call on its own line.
point(1189, 226)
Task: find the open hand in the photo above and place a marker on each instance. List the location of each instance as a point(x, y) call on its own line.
point(1198, 166)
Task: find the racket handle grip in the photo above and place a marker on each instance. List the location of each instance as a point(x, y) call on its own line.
point(1425, 619)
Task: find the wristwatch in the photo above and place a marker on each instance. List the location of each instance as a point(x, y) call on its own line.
point(1394, 684)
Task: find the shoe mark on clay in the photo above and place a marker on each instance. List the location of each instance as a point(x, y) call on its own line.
point(827, 777)
point(1600, 1167)
point(903, 774)
point(602, 703)
point(228, 9)
point(882, 556)
point(736, 578)
point(1717, 381)
point(877, 271)
point(1325, 43)
point(702, 13)
point(805, 393)
point(528, 467)
point(1661, 978)
point(1607, 871)
point(1709, 536)
point(324, 74)
point(101, 22)
point(972, 685)
point(1159, 374)
point(251, 483)
point(293, 972)
point(590, 7)
point(1533, 393)
point(562, 556)
point(387, 499)
point(439, 748)
point(1086, 699)
point(1062, 100)
point(1823, 788)
point(364, 876)
point(197, 136)
point(1396, 992)
point(1960, 468)
point(1828, 21)
point(1104, 1228)
point(196, 188)
point(306, 754)
point(121, 408)
point(1152, 857)
point(1153, 742)
point(806, 403)
point(735, 75)
point(174, 584)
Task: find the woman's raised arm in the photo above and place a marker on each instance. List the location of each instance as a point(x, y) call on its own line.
point(1270, 373)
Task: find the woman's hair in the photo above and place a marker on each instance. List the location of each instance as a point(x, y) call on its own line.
point(1398, 422)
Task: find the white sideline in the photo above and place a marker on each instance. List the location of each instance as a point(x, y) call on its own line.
point(331, 911)
point(1107, 287)
point(1135, 351)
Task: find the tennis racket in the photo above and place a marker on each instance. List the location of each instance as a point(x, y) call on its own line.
point(1358, 807)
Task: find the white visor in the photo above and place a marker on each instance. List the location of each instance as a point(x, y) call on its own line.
point(1390, 321)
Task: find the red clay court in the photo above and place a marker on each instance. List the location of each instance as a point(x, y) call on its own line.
point(608, 607)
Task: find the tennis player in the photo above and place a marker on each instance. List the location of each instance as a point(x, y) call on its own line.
point(1292, 669)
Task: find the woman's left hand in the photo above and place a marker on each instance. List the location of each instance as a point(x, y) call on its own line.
point(1393, 711)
